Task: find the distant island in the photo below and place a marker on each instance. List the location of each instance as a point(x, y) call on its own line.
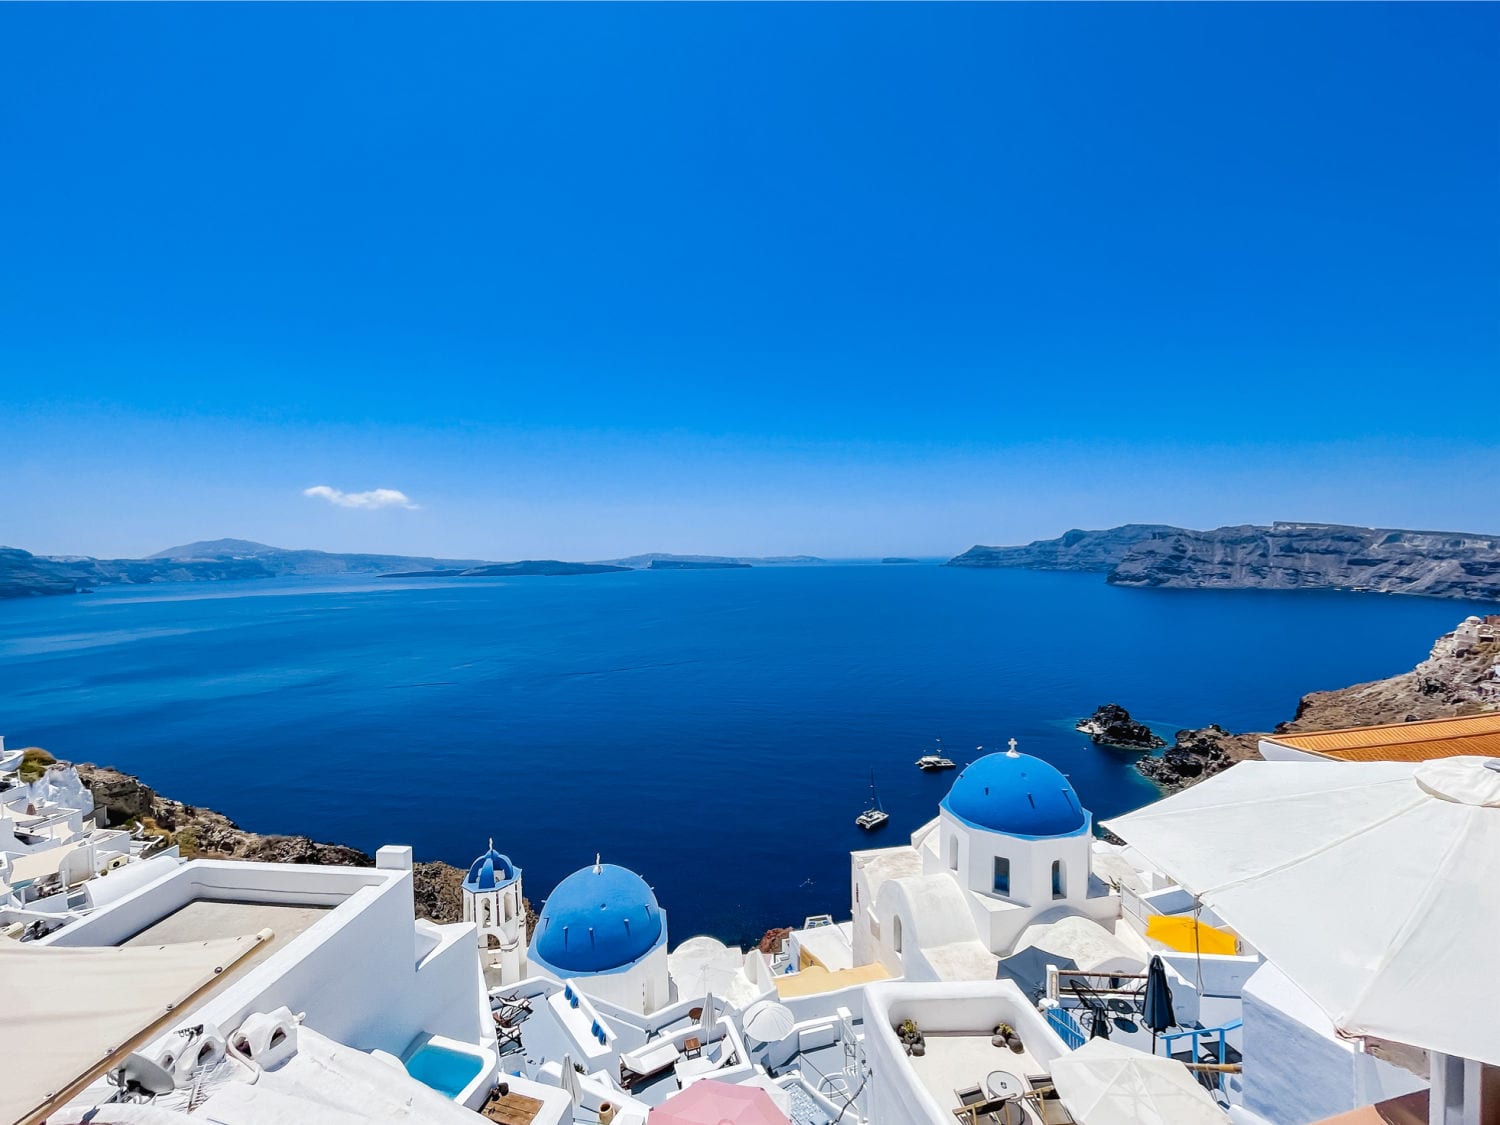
point(896, 560)
point(23, 574)
point(697, 564)
point(657, 561)
point(1282, 556)
point(545, 567)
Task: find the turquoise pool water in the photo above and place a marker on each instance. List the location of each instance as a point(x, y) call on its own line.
point(445, 1070)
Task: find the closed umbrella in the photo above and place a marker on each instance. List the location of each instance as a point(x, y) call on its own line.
point(1158, 1014)
point(570, 1079)
point(707, 1020)
point(710, 1102)
point(1104, 1083)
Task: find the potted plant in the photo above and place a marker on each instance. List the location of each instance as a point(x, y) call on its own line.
point(911, 1038)
point(1005, 1036)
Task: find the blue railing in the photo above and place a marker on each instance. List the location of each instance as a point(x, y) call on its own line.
point(1196, 1033)
point(1066, 1027)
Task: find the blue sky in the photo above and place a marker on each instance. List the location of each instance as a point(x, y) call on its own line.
point(583, 281)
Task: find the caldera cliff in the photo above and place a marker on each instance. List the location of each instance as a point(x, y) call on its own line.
point(1281, 556)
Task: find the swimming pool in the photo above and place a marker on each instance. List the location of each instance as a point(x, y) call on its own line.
point(455, 1070)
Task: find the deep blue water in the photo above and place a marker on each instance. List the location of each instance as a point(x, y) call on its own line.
point(713, 730)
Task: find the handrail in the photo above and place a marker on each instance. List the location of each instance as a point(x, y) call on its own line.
point(1066, 1027)
point(1194, 1033)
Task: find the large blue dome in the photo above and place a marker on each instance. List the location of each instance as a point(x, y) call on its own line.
point(490, 871)
point(597, 920)
point(1018, 795)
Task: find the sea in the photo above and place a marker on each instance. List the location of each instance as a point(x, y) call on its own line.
point(716, 731)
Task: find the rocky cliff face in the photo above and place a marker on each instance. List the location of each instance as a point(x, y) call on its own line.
point(1457, 678)
point(1301, 556)
point(207, 834)
point(1074, 550)
point(1461, 676)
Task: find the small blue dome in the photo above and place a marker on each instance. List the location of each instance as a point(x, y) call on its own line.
point(597, 920)
point(490, 871)
point(1018, 795)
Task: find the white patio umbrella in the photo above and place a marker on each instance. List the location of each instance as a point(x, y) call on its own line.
point(1371, 885)
point(570, 1079)
point(768, 1022)
point(1106, 1083)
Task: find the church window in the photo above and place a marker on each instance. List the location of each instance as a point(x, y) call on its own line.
point(1059, 880)
point(1002, 875)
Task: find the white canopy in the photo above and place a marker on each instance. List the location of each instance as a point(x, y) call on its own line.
point(703, 964)
point(1371, 885)
point(1106, 1083)
point(66, 1010)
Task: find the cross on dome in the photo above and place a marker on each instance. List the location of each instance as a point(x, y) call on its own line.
point(1012, 751)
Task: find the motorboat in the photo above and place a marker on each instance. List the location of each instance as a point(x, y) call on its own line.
point(936, 761)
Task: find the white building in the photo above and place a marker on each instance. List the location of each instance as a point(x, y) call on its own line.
point(1010, 849)
point(260, 991)
point(495, 903)
point(603, 929)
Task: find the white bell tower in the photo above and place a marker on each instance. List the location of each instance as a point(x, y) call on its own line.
point(493, 902)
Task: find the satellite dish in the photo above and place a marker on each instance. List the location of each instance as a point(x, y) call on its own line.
point(140, 1075)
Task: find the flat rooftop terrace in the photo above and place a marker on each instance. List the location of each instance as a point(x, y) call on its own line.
point(208, 920)
point(959, 1060)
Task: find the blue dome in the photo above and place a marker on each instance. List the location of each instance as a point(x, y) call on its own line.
point(1018, 795)
point(597, 920)
point(490, 871)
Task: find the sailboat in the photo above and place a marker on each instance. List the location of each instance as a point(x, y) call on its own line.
point(874, 816)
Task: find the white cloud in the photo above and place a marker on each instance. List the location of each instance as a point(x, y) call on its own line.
point(375, 498)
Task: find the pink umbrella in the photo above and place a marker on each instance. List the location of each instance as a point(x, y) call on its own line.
point(718, 1103)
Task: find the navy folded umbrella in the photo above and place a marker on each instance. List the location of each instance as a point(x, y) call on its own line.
point(1157, 1011)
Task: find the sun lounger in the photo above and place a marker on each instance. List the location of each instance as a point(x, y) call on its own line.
point(705, 1063)
point(649, 1061)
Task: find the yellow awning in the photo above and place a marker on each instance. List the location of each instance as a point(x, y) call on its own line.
point(1184, 933)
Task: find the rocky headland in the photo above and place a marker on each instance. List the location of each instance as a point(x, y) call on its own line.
point(1111, 725)
point(1461, 676)
point(203, 833)
point(1281, 556)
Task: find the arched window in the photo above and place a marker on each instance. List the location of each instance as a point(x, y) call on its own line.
point(953, 854)
point(484, 913)
point(1059, 880)
point(510, 909)
point(896, 933)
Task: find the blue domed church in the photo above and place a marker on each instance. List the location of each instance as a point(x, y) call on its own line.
point(1010, 851)
point(603, 928)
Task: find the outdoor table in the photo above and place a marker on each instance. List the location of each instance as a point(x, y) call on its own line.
point(1004, 1084)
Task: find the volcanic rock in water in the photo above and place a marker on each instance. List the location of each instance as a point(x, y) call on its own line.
point(1111, 725)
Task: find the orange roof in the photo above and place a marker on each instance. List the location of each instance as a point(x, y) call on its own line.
point(1402, 742)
